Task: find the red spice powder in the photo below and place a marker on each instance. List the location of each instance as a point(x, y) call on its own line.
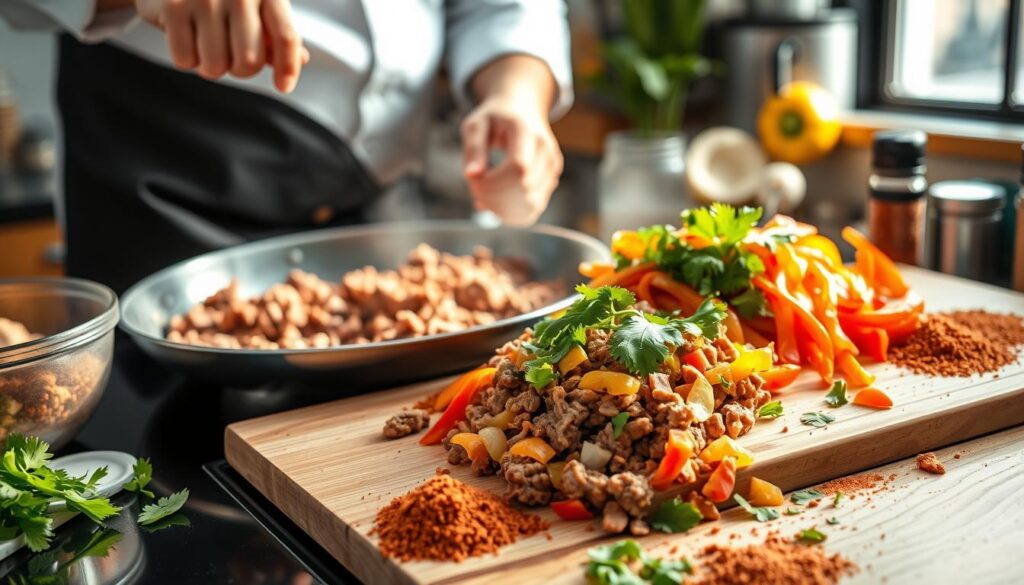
point(778, 561)
point(961, 343)
point(851, 484)
point(445, 519)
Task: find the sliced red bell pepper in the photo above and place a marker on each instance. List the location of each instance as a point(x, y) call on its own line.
point(722, 481)
point(678, 450)
point(855, 374)
point(452, 390)
point(573, 509)
point(780, 376)
point(698, 360)
point(456, 410)
point(872, 341)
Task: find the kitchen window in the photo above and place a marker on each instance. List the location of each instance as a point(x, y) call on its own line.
point(953, 56)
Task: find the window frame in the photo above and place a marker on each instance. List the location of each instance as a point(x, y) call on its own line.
point(876, 51)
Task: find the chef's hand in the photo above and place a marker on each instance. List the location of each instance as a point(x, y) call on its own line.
point(240, 37)
point(515, 95)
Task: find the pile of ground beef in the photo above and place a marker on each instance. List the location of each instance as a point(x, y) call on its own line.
point(566, 416)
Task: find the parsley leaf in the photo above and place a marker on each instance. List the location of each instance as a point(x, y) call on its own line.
point(833, 521)
point(642, 342)
point(816, 419)
point(771, 410)
point(791, 511)
point(803, 496)
point(675, 515)
point(142, 475)
point(838, 498)
point(608, 564)
point(836, 397)
point(623, 549)
point(811, 536)
point(665, 571)
point(540, 376)
point(163, 507)
point(761, 514)
point(619, 423)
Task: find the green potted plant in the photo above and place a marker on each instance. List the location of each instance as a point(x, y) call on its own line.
point(648, 71)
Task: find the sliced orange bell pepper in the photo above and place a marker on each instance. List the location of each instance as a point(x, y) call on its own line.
point(872, 398)
point(785, 330)
point(825, 309)
point(678, 450)
point(887, 275)
point(810, 333)
point(476, 376)
point(698, 360)
point(753, 336)
point(624, 277)
point(872, 341)
point(780, 376)
point(535, 448)
point(722, 481)
point(896, 317)
point(571, 510)
point(456, 410)
point(855, 374)
point(733, 329)
point(764, 493)
point(643, 288)
point(826, 247)
point(473, 444)
point(629, 244)
point(594, 269)
point(685, 295)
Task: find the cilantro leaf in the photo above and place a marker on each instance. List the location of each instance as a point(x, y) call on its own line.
point(176, 519)
point(539, 376)
point(622, 550)
point(771, 410)
point(803, 496)
point(751, 302)
point(665, 571)
point(38, 531)
point(816, 419)
point(608, 564)
point(836, 397)
point(836, 499)
point(618, 423)
point(30, 452)
point(708, 318)
point(97, 509)
point(675, 516)
point(595, 306)
point(811, 536)
point(142, 474)
point(163, 507)
point(761, 514)
point(791, 511)
point(832, 521)
point(642, 343)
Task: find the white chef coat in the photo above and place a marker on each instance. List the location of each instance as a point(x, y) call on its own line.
point(372, 62)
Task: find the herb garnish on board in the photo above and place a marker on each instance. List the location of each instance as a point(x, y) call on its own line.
point(722, 266)
point(640, 341)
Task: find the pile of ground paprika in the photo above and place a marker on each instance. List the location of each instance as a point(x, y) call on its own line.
point(961, 343)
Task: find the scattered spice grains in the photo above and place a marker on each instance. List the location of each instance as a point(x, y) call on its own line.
point(961, 343)
point(851, 484)
point(778, 561)
point(445, 519)
point(930, 463)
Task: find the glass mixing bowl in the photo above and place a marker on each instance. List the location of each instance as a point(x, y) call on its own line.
point(50, 386)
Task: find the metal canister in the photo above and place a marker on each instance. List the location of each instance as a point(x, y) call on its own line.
point(1018, 255)
point(963, 228)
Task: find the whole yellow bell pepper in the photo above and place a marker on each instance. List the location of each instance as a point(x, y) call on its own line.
point(800, 124)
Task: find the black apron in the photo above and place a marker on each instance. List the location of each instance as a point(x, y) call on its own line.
point(161, 165)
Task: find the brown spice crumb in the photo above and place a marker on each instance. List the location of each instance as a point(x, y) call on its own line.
point(957, 456)
point(785, 429)
point(851, 484)
point(442, 471)
point(930, 463)
point(715, 530)
point(813, 504)
point(445, 519)
point(961, 343)
point(777, 561)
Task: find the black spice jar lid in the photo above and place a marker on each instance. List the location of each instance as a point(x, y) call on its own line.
point(899, 151)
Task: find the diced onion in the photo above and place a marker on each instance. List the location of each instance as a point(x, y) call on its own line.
point(594, 457)
point(494, 441)
point(701, 399)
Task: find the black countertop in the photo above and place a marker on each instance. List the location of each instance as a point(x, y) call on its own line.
point(150, 412)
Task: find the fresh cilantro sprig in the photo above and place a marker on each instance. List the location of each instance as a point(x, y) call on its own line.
point(724, 267)
point(163, 507)
point(811, 536)
point(676, 515)
point(142, 474)
point(771, 410)
point(816, 419)
point(610, 565)
point(836, 397)
point(640, 341)
point(804, 496)
point(761, 514)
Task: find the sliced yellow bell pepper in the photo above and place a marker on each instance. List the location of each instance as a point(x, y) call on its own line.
point(575, 357)
point(725, 446)
point(763, 493)
point(800, 124)
point(614, 383)
point(751, 361)
point(533, 447)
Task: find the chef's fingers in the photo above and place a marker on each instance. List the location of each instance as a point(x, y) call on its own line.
point(287, 47)
point(212, 39)
point(176, 21)
point(247, 56)
point(520, 147)
point(475, 131)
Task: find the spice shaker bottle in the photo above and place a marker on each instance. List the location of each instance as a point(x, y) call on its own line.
point(10, 123)
point(896, 191)
point(964, 228)
point(1018, 254)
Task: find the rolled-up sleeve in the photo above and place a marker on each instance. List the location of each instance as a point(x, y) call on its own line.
point(77, 17)
point(478, 31)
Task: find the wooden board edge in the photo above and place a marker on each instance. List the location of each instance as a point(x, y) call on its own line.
point(346, 544)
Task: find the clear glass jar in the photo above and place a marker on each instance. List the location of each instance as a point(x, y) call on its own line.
point(641, 181)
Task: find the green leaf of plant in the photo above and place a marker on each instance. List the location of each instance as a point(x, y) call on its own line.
point(832, 521)
point(622, 550)
point(38, 531)
point(675, 515)
point(803, 496)
point(642, 345)
point(811, 536)
point(791, 511)
point(653, 78)
point(174, 520)
point(540, 376)
point(142, 474)
point(665, 571)
point(618, 423)
point(836, 499)
point(836, 397)
point(163, 507)
point(761, 514)
point(816, 419)
point(771, 410)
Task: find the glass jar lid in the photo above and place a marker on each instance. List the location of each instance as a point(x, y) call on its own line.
point(967, 197)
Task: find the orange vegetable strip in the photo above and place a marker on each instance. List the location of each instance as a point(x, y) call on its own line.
point(643, 288)
point(456, 411)
point(872, 398)
point(594, 269)
point(826, 312)
point(825, 246)
point(785, 330)
point(806, 325)
point(628, 274)
point(684, 294)
point(873, 341)
point(751, 335)
point(453, 389)
point(887, 274)
point(855, 374)
point(733, 329)
point(780, 376)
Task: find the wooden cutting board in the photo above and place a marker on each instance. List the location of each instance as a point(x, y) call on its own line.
point(329, 468)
